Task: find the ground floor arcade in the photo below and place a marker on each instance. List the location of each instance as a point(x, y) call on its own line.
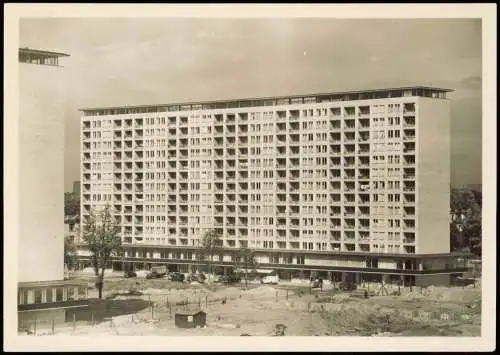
point(405, 270)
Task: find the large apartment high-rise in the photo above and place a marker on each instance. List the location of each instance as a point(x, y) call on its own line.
point(41, 184)
point(347, 184)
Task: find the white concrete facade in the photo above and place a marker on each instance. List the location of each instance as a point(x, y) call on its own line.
point(41, 169)
point(349, 175)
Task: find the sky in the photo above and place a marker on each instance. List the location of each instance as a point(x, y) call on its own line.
point(155, 61)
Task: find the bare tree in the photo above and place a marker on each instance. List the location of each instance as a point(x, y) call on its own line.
point(211, 242)
point(101, 236)
point(246, 260)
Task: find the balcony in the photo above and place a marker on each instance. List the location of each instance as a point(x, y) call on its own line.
point(364, 113)
point(409, 122)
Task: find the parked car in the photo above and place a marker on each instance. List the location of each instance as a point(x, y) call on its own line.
point(317, 283)
point(270, 279)
point(161, 270)
point(177, 276)
point(154, 275)
point(218, 278)
point(195, 278)
point(142, 273)
point(231, 279)
point(129, 274)
point(347, 286)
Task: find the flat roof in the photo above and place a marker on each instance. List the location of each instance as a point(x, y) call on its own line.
point(324, 94)
point(52, 283)
point(318, 252)
point(292, 251)
point(42, 52)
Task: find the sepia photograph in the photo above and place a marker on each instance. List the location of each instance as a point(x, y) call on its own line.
point(215, 171)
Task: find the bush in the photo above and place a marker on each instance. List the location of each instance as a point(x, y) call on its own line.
point(299, 292)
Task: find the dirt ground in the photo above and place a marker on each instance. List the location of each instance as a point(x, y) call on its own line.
point(234, 310)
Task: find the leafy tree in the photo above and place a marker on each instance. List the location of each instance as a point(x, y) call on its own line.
point(72, 221)
point(245, 259)
point(69, 253)
point(466, 228)
point(478, 197)
point(457, 238)
point(71, 204)
point(211, 242)
point(101, 236)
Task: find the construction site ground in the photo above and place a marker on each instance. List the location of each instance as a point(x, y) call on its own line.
point(148, 307)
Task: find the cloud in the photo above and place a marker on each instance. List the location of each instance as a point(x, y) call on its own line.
point(471, 82)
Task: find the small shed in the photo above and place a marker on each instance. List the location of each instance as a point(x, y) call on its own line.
point(190, 319)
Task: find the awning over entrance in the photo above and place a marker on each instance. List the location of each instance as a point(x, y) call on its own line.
point(263, 271)
point(258, 271)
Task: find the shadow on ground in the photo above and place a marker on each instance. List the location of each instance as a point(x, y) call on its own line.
point(99, 310)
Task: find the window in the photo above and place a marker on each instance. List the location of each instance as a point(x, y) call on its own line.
point(38, 296)
point(59, 294)
point(71, 293)
point(23, 297)
point(48, 295)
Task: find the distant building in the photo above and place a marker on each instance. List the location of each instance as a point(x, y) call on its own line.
point(67, 195)
point(41, 212)
point(76, 188)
